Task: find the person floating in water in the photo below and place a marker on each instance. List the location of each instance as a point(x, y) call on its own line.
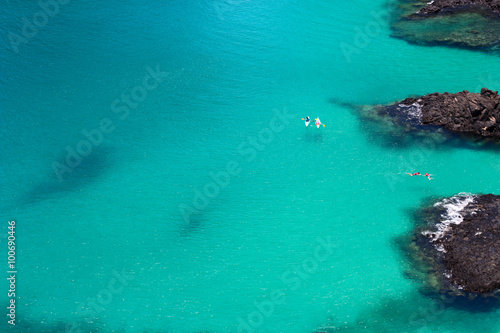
point(428, 175)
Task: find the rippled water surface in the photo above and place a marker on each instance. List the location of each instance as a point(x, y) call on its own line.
point(162, 180)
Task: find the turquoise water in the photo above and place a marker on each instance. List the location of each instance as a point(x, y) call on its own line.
point(253, 255)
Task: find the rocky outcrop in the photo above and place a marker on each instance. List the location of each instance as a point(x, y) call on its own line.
point(472, 24)
point(442, 7)
point(466, 240)
point(461, 112)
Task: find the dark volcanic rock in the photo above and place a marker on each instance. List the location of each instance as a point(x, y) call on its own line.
point(446, 6)
point(472, 24)
point(434, 121)
point(467, 240)
point(461, 112)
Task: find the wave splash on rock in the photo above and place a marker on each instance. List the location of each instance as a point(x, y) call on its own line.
point(453, 206)
point(462, 245)
point(463, 112)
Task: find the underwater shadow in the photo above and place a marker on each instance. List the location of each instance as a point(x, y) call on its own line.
point(196, 223)
point(83, 325)
point(91, 168)
point(409, 313)
point(313, 137)
point(190, 220)
point(25, 325)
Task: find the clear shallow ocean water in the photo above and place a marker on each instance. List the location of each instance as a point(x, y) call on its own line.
point(231, 67)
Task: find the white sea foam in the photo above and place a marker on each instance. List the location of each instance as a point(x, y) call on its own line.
point(453, 206)
point(414, 113)
point(440, 248)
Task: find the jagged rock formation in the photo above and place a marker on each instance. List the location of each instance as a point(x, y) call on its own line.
point(461, 112)
point(472, 24)
point(467, 239)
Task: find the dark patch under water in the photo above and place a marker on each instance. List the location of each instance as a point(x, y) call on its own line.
point(92, 167)
point(84, 325)
point(313, 137)
point(409, 313)
point(464, 27)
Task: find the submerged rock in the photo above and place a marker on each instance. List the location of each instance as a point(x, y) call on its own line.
point(464, 23)
point(462, 245)
point(463, 112)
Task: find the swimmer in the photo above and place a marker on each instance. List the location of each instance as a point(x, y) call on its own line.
point(413, 174)
point(428, 176)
